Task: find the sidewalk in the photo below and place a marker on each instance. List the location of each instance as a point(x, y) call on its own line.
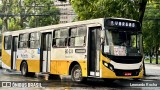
point(152, 71)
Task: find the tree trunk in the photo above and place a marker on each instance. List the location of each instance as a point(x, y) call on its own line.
point(150, 57)
point(142, 8)
point(5, 24)
point(157, 54)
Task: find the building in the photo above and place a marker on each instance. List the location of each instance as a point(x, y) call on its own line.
point(66, 10)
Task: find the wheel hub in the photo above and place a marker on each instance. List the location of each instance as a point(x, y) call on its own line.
point(77, 74)
point(23, 70)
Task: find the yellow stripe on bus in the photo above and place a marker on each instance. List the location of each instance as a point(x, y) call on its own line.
point(6, 58)
point(62, 66)
point(33, 65)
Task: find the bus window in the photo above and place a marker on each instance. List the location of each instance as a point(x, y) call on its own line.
point(23, 39)
point(77, 36)
point(34, 40)
point(121, 38)
point(7, 42)
point(127, 42)
point(60, 38)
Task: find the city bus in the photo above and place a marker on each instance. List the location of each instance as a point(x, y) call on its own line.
point(107, 48)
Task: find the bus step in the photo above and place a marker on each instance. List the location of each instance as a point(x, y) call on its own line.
point(94, 73)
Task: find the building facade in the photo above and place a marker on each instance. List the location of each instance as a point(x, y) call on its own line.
point(66, 10)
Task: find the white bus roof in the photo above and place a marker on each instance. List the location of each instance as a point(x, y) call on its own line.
point(50, 27)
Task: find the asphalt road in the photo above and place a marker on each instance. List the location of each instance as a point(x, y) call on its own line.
point(41, 82)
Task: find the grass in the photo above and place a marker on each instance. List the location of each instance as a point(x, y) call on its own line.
point(153, 61)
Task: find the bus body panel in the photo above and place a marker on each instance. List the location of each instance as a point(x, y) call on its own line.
point(18, 64)
point(108, 73)
point(6, 56)
point(6, 61)
point(61, 67)
point(33, 65)
point(31, 56)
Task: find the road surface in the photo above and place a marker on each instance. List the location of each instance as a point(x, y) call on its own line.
point(41, 82)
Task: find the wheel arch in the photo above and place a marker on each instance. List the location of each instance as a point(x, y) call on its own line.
point(21, 64)
point(72, 65)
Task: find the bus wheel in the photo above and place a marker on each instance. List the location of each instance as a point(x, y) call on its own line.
point(24, 69)
point(76, 74)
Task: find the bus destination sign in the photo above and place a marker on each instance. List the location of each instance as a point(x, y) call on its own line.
point(120, 23)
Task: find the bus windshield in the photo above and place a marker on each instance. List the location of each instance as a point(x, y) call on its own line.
point(123, 43)
point(123, 39)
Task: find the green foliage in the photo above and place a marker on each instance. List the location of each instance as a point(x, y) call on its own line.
point(153, 60)
point(53, 17)
point(88, 9)
point(29, 13)
point(151, 30)
point(0, 23)
point(13, 25)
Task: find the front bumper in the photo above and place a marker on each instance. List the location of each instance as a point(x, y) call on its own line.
point(119, 74)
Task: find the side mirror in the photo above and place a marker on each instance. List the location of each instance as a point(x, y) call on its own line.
point(102, 40)
point(102, 36)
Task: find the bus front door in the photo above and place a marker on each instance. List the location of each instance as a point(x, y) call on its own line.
point(45, 53)
point(14, 52)
point(93, 51)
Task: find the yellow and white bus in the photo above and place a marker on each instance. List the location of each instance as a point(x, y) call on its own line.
point(109, 48)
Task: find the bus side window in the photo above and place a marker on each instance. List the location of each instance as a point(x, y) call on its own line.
point(7, 42)
point(73, 34)
point(60, 38)
point(34, 40)
point(77, 36)
point(23, 41)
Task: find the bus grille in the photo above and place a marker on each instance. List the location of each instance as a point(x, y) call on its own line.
point(122, 72)
point(126, 59)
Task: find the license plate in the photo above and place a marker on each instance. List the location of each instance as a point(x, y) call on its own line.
point(127, 73)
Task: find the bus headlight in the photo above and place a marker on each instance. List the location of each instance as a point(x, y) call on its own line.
point(105, 64)
point(111, 68)
point(108, 65)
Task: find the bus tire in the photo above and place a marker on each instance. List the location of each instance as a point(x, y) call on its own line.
point(24, 69)
point(76, 74)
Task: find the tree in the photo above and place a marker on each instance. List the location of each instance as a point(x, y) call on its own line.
point(5, 10)
point(88, 9)
point(50, 15)
point(21, 12)
point(151, 31)
point(142, 7)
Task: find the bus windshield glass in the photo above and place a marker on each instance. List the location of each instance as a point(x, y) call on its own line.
point(123, 39)
point(123, 43)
